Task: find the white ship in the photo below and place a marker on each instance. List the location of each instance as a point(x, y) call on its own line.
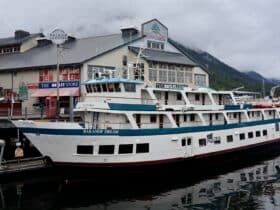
point(127, 122)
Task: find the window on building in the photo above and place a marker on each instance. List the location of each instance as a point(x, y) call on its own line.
point(153, 118)
point(180, 76)
point(45, 75)
point(242, 136)
point(129, 87)
point(188, 76)
point(162, 75)
point(258, 133)
point(200, 80)
point(106, 149)
point(152, 74)
point(155, 45)
point(171, 76)
point(250, 135)
point(142, 148)
point(94, 72)
point(264, 132)
point(138, 71)
point(202, 142)
point(125, 148)
point(229, 138)
point(85, 149)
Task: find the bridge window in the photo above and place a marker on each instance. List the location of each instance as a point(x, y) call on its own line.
point(129, 87)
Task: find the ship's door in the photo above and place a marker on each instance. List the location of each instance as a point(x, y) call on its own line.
point(203, 99)
point(138, 120)
point(165, 98)
point(160, 121)
point(177, 119)
point(189, 147)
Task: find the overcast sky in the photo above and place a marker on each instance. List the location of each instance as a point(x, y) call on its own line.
point(243, 33)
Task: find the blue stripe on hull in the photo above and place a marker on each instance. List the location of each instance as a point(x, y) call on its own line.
point(132, 107)
point(143, 132)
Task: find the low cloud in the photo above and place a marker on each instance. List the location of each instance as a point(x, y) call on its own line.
point(243, 34)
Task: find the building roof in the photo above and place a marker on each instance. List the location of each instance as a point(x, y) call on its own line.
point(15, 41)
point(112, 80)
point(163, 56)
point(75, 52)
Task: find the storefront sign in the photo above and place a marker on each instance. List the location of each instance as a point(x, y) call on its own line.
point(170, 86)
point(62, 84)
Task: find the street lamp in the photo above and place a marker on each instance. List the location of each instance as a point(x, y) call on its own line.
point(58, 37)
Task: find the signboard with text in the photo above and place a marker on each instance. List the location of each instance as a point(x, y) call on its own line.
point(170, 86)
point(62, 84)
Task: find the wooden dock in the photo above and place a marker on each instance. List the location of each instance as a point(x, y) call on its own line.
point(23, 165)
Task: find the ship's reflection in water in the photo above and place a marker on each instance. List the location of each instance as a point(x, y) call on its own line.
point(254, 187)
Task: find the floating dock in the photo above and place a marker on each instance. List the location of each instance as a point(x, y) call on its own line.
point(23, 165)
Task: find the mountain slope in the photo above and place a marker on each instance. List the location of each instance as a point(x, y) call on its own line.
point(223, 76)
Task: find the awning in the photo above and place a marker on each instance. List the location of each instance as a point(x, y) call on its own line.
point(53, 92)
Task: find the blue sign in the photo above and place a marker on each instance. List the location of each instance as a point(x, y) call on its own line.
point(62, 84)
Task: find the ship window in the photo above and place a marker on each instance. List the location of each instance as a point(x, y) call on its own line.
point(202, 142)
point(98, 88)
point(106, 149)
point(84, 149)
point(235, 115)
point(217, 116)
point(153, 118)
point(185, 118)
point(264, 132)
point(192, 117)
point(142, 148)
point(104, 87)
point(110, 87)
point(183, 142)
point(197, 97)
point(229, 138)
point(117, 87)
point(189, 141)
point(125, 148)
point(179, 97)
point(258, 133)
point(242, 136)
point(250, 135)
point(129, 87)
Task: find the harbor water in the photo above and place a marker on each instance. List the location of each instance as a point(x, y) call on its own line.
point(252, 185)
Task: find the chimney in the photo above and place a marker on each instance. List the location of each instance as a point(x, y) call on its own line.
point(129, 31)
point(19, 34)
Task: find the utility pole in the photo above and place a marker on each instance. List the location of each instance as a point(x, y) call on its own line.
point(58, 37)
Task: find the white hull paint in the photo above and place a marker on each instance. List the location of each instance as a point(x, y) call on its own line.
point(63, 148)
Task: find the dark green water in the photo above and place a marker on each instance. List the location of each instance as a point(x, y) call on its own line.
point(253, 187)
